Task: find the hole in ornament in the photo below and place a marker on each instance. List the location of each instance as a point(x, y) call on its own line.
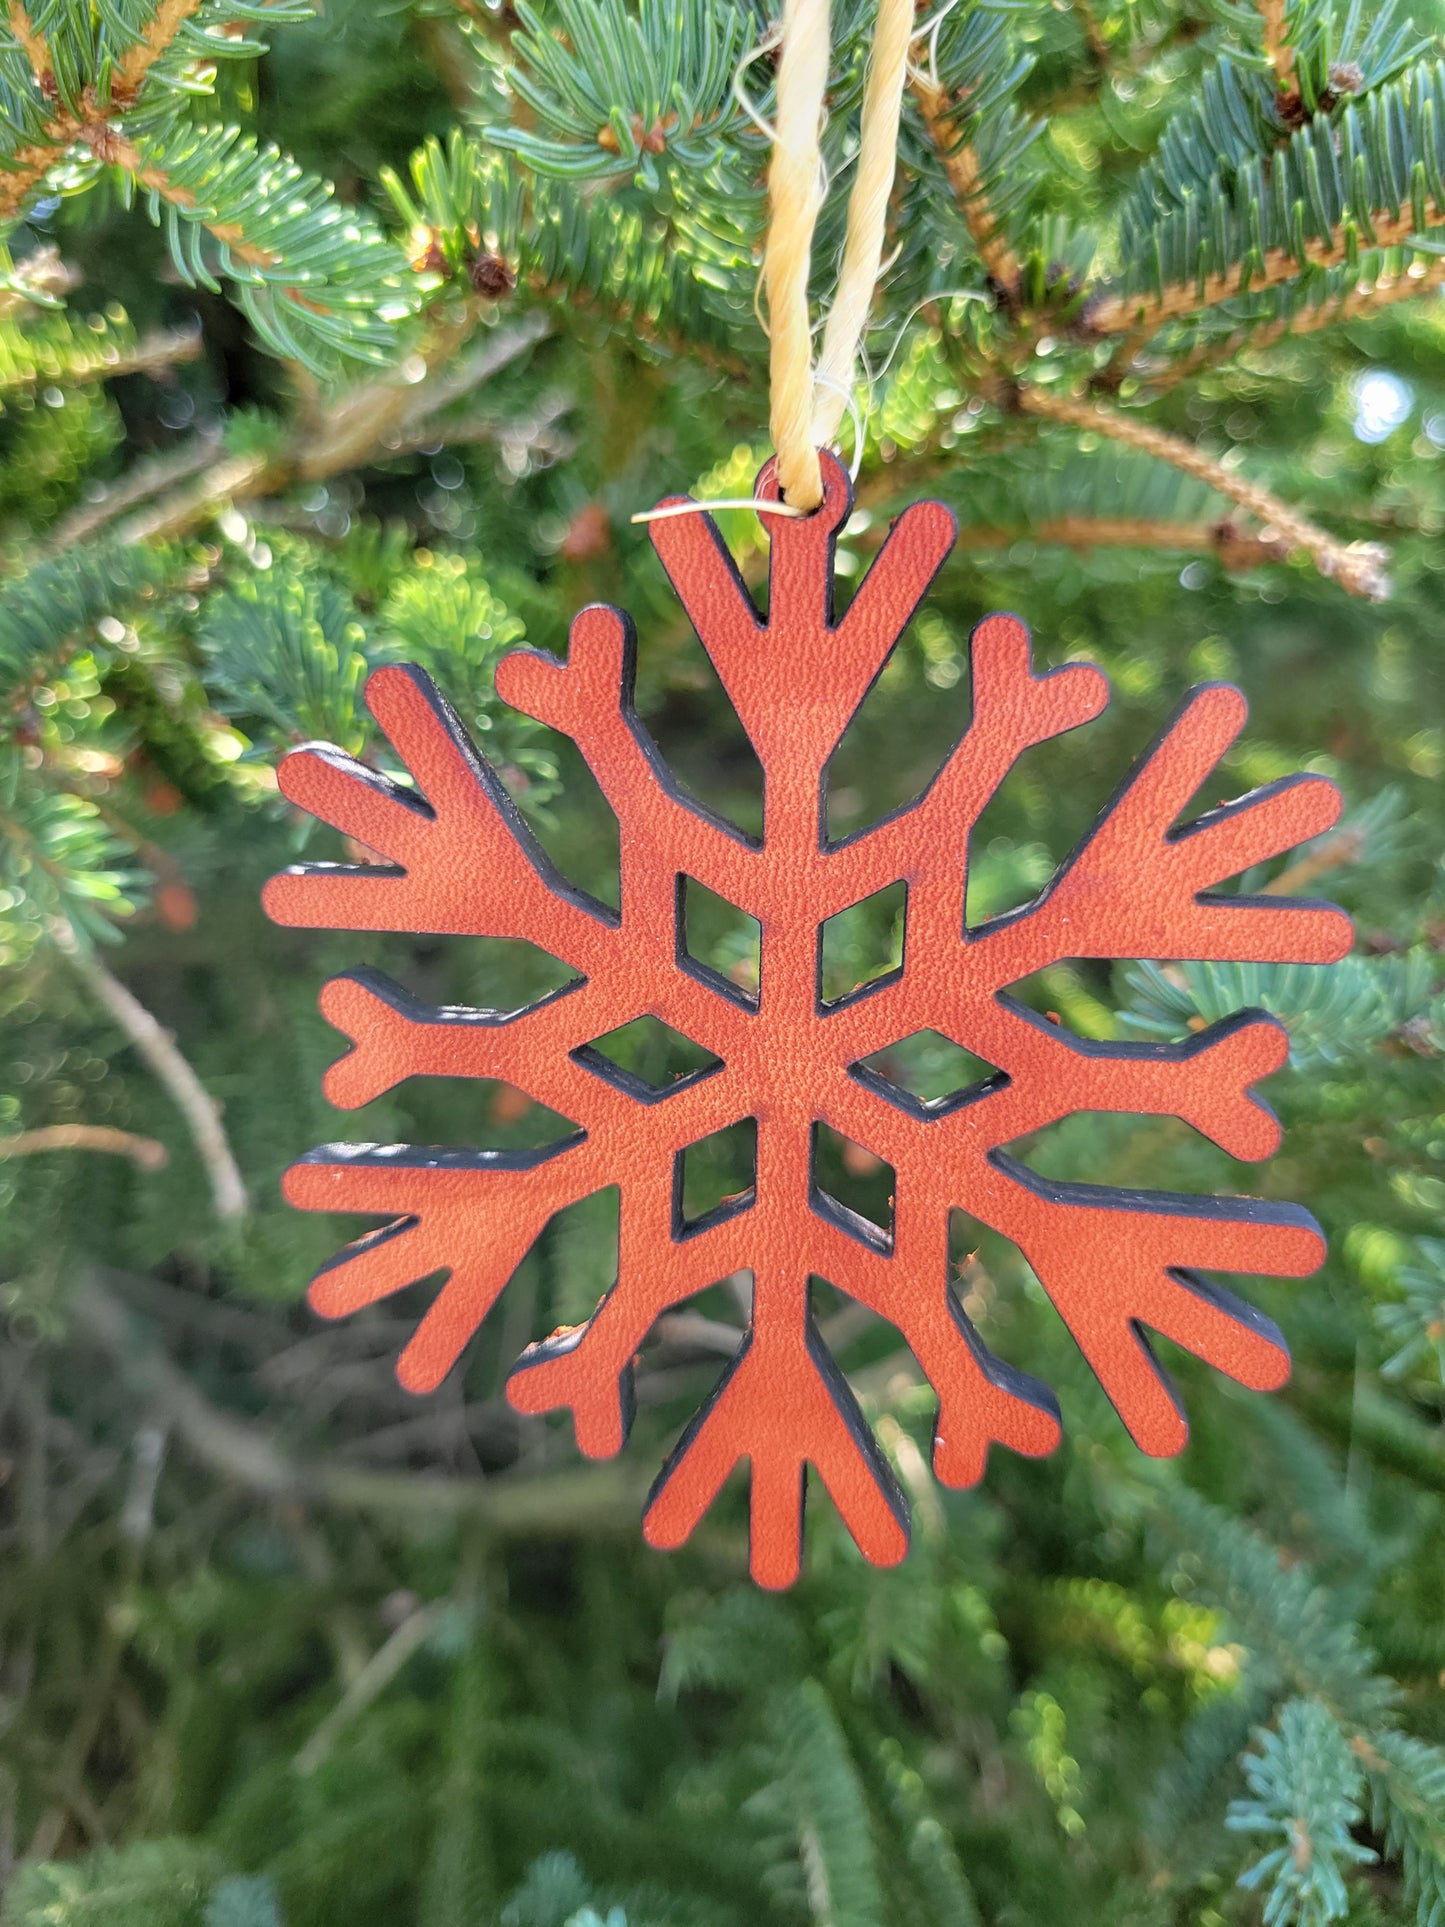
point(861, 948)
point(842, 1321)
point(852, 1187)
point(1119, 1149)
point(901, 734)
point(697, 730)
point(578, 1252)
point(1073, 995)
point(580, 832)
point(482, 1113)
point(715, 1178)
point(1047, 804)
point(927, 1074)
point(968, 1275)
point(647, 1058)
point(717, 943)
point(501, 974)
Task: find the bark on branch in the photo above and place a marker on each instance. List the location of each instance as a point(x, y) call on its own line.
point(1358, 567)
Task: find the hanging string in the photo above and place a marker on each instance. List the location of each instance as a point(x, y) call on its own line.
point(867, 219)
point(807, 405)
point(795, 194)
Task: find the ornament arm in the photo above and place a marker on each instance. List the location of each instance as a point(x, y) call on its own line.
point(1116, 1261)
point(460, 858)
point(1136, 887)
point(1014, 708)
point(542, 1049)
point(1207, 1080)
point(443, 1196)
point(590, 698)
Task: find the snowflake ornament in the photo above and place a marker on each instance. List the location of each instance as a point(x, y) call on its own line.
point(459, 860)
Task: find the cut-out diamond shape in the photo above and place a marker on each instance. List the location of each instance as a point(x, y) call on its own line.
point(648, 1059)
point(718, 943)
point(715, 1178)
point(853, 1188)
point(861, 947)
point(927, 1073)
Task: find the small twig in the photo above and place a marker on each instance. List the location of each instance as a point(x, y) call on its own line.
point(370, 1683)
point(1276, 42)
point(497, 351)
point(32, 43)
point(147, 1152)
point(1332, 854)
point(161, 349)
point(233, 478)
point(158, 1048)
point(1358, 567)
point(960, 163)
point(1112, 314)
point(1235, 549)
point(158, 33)
point(1366, 299)
point(577, 1500)
point(362, 424)
point(146, 480)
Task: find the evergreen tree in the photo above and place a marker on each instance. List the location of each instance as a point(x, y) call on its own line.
point(332, 341)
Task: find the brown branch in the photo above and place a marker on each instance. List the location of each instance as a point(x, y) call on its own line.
point(33, 45)
point(370, 420)
point(116, 151)
point(158, 1048)
point(1332, 854)
point(145, 481)
point(29, 166)
point(148, 1154)
point(1358, 567)
point(578, 1500)
point(1235, 549)
point(1357, 303)
point(1120, 313)
point(161, 349)
point(158, 34)
point(960, 163)
point(370, 1683)
point(1276, 42)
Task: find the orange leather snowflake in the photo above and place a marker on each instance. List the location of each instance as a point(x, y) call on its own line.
point(460, 860)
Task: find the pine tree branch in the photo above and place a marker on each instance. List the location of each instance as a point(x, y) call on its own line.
point(156, 37)
point(1124, 313)
point(142, 483)
point(33, 45)
point(960, 163)
point(579, 1500)
point(1357, 303)
point(116, 151)
point(370, 420)
point(1357, 567)
point(158, 1048)
point(146, 1151)
point(1276, 42)
point(161, 349)
point(1235, 549)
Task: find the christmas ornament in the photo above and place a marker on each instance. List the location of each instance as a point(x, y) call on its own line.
point(460, 860)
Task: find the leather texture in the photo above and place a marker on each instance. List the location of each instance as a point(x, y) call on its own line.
point(460, 859)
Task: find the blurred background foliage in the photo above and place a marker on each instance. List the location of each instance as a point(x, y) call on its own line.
point(340, 338)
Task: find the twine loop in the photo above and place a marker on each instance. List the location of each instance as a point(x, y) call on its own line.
point(807, 402)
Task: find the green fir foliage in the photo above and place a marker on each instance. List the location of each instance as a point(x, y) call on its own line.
point(341, 337)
